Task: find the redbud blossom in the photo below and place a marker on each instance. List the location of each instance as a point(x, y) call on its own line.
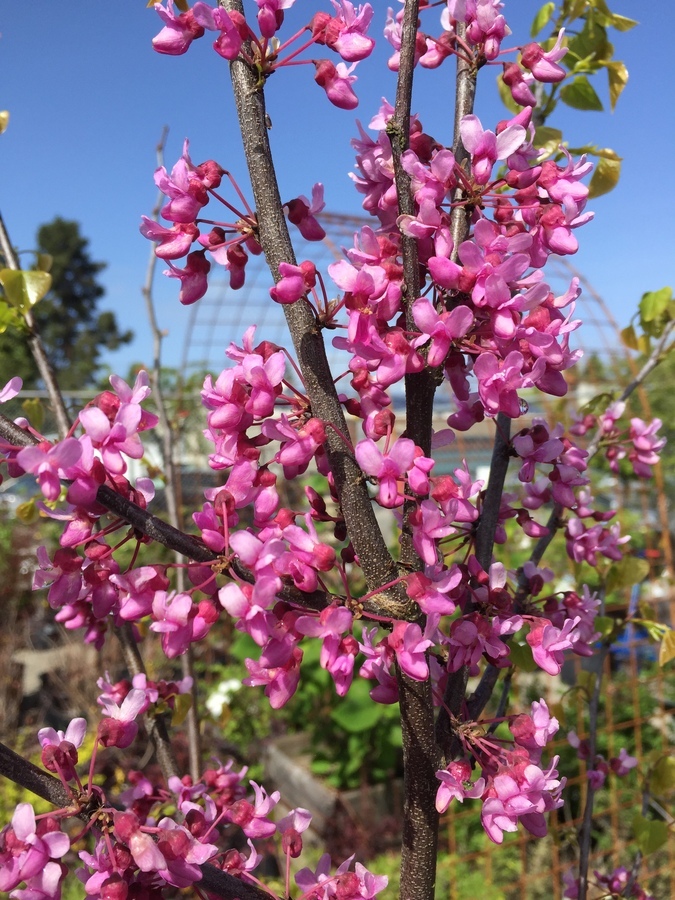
point(337, 82)
point(544, 65)
point(179, 30)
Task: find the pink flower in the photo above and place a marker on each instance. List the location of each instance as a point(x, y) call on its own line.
point(337, 82)
point(623, 763)
point(194, 283)
point(25, 847)
point(172, 620)
point(524, 793)
point(534, 731)
point(252, 817)
point(410, 646)
point(280, 681)
point(456, 784)
point(294, 283)
point(182, 852)
point(544, 65)
point(646, 446)
point(429, 526)
point(172, 243)
point(486, 148)
point(179, 30)
point(549, 643)
point(59, 749)
point(302, 213)
point(142, 847)
point(229, 41)
point(389, 468)
point(50, 462)
point(11, 389)
point(119, 728)
point(441, 329)
point(290, 828)
point(346, 31)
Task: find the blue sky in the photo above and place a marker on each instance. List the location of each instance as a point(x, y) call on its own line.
point(88, 98)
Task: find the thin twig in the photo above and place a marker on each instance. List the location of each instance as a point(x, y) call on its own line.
point(587, 821)
point(155, 725)
point(167, 434)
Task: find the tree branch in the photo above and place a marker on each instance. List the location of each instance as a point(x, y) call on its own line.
point(363, 529)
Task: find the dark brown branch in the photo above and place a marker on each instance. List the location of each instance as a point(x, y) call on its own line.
point(465, 93)
point(420, 387)
point(364, 532)
point(420, 754)
point(492, 501)
point(421, 760)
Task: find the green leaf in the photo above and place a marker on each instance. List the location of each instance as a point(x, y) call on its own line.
point(581, 95)
point(629, 338)
point(4, 120)
point(572, 9)
point(662, 778)
point(588, 46)
point(548, 139)
point(650, 834)
point(354, 716)
point(181, 707)
point(667, 650)
point(44, 262)
point(597, 404)
point(243, 646)
point(655, 630)
point(617, 73)
point(604, 153)
point(542, 18)
point(623, 23)
point(24, 289)
point(605, 177)
point(605, 625)
point(10, 317)
point(27, 512)
point(654, 304)
point(627, 572)
point(521, 657)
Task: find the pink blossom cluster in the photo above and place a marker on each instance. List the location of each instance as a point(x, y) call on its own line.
point(600, 768)
point(344, 32)
point(614, 884)
point(229, 242)
point(513, 786)
point(639, 442)
point(138, 848)
point(485, 322)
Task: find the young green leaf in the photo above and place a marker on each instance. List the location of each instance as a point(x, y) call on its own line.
point(605, 177)
point(542, 18)
point(580, 94)
point(24, 289)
